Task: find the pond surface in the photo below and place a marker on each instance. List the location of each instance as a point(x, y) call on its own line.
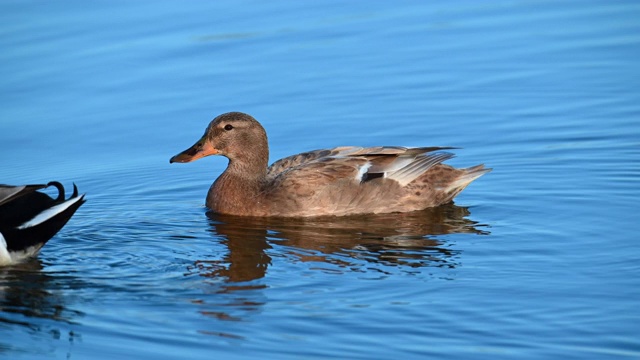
point(538, 259)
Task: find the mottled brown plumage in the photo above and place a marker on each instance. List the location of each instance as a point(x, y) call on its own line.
point(340, 181)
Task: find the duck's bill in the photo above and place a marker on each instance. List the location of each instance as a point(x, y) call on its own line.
point(199, 150)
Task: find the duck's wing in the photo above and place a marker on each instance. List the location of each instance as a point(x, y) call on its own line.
point(293, 161)
point(360, 164)
point(401, 164)
point(9, 192)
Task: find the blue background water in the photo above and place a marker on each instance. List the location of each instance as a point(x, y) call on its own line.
point(538, 259)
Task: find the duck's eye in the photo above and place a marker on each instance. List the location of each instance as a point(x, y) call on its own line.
point(228, 127)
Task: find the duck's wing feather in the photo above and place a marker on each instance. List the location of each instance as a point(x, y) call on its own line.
point(9, 192)
point(293, 161)
point(319, 167)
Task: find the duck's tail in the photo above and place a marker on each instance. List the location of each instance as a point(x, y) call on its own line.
point(30, 218)
point(466, 177)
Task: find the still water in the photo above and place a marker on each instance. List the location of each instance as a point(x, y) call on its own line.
point(538, 259)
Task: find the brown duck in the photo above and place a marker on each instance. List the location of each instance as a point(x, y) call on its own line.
point(341, 181)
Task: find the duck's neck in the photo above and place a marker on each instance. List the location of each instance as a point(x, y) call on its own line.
point(237, 190)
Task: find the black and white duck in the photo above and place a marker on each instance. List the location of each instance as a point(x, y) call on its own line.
point(29, 218)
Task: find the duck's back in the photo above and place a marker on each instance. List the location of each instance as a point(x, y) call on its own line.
point(355, 180)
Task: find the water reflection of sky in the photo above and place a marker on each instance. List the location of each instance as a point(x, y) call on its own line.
point(543, 92)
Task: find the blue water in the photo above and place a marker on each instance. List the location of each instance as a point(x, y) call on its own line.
point(537, 259)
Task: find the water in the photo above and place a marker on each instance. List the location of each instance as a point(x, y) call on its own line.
point(538, 259)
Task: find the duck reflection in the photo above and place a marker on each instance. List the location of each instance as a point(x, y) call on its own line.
point(400, 239)
point(247, 244)
point(371, 243)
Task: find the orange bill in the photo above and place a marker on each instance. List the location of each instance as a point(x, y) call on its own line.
point(199, 150)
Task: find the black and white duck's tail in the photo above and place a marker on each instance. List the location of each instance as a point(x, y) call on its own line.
point(29, 218)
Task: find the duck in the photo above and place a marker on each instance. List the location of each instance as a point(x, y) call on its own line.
point(29, 218)
point(340, 181)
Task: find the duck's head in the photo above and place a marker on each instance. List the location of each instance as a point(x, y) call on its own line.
point(236, 135)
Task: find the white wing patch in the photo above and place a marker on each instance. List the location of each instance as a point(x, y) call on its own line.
point(363, 170)
point(49, 213)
